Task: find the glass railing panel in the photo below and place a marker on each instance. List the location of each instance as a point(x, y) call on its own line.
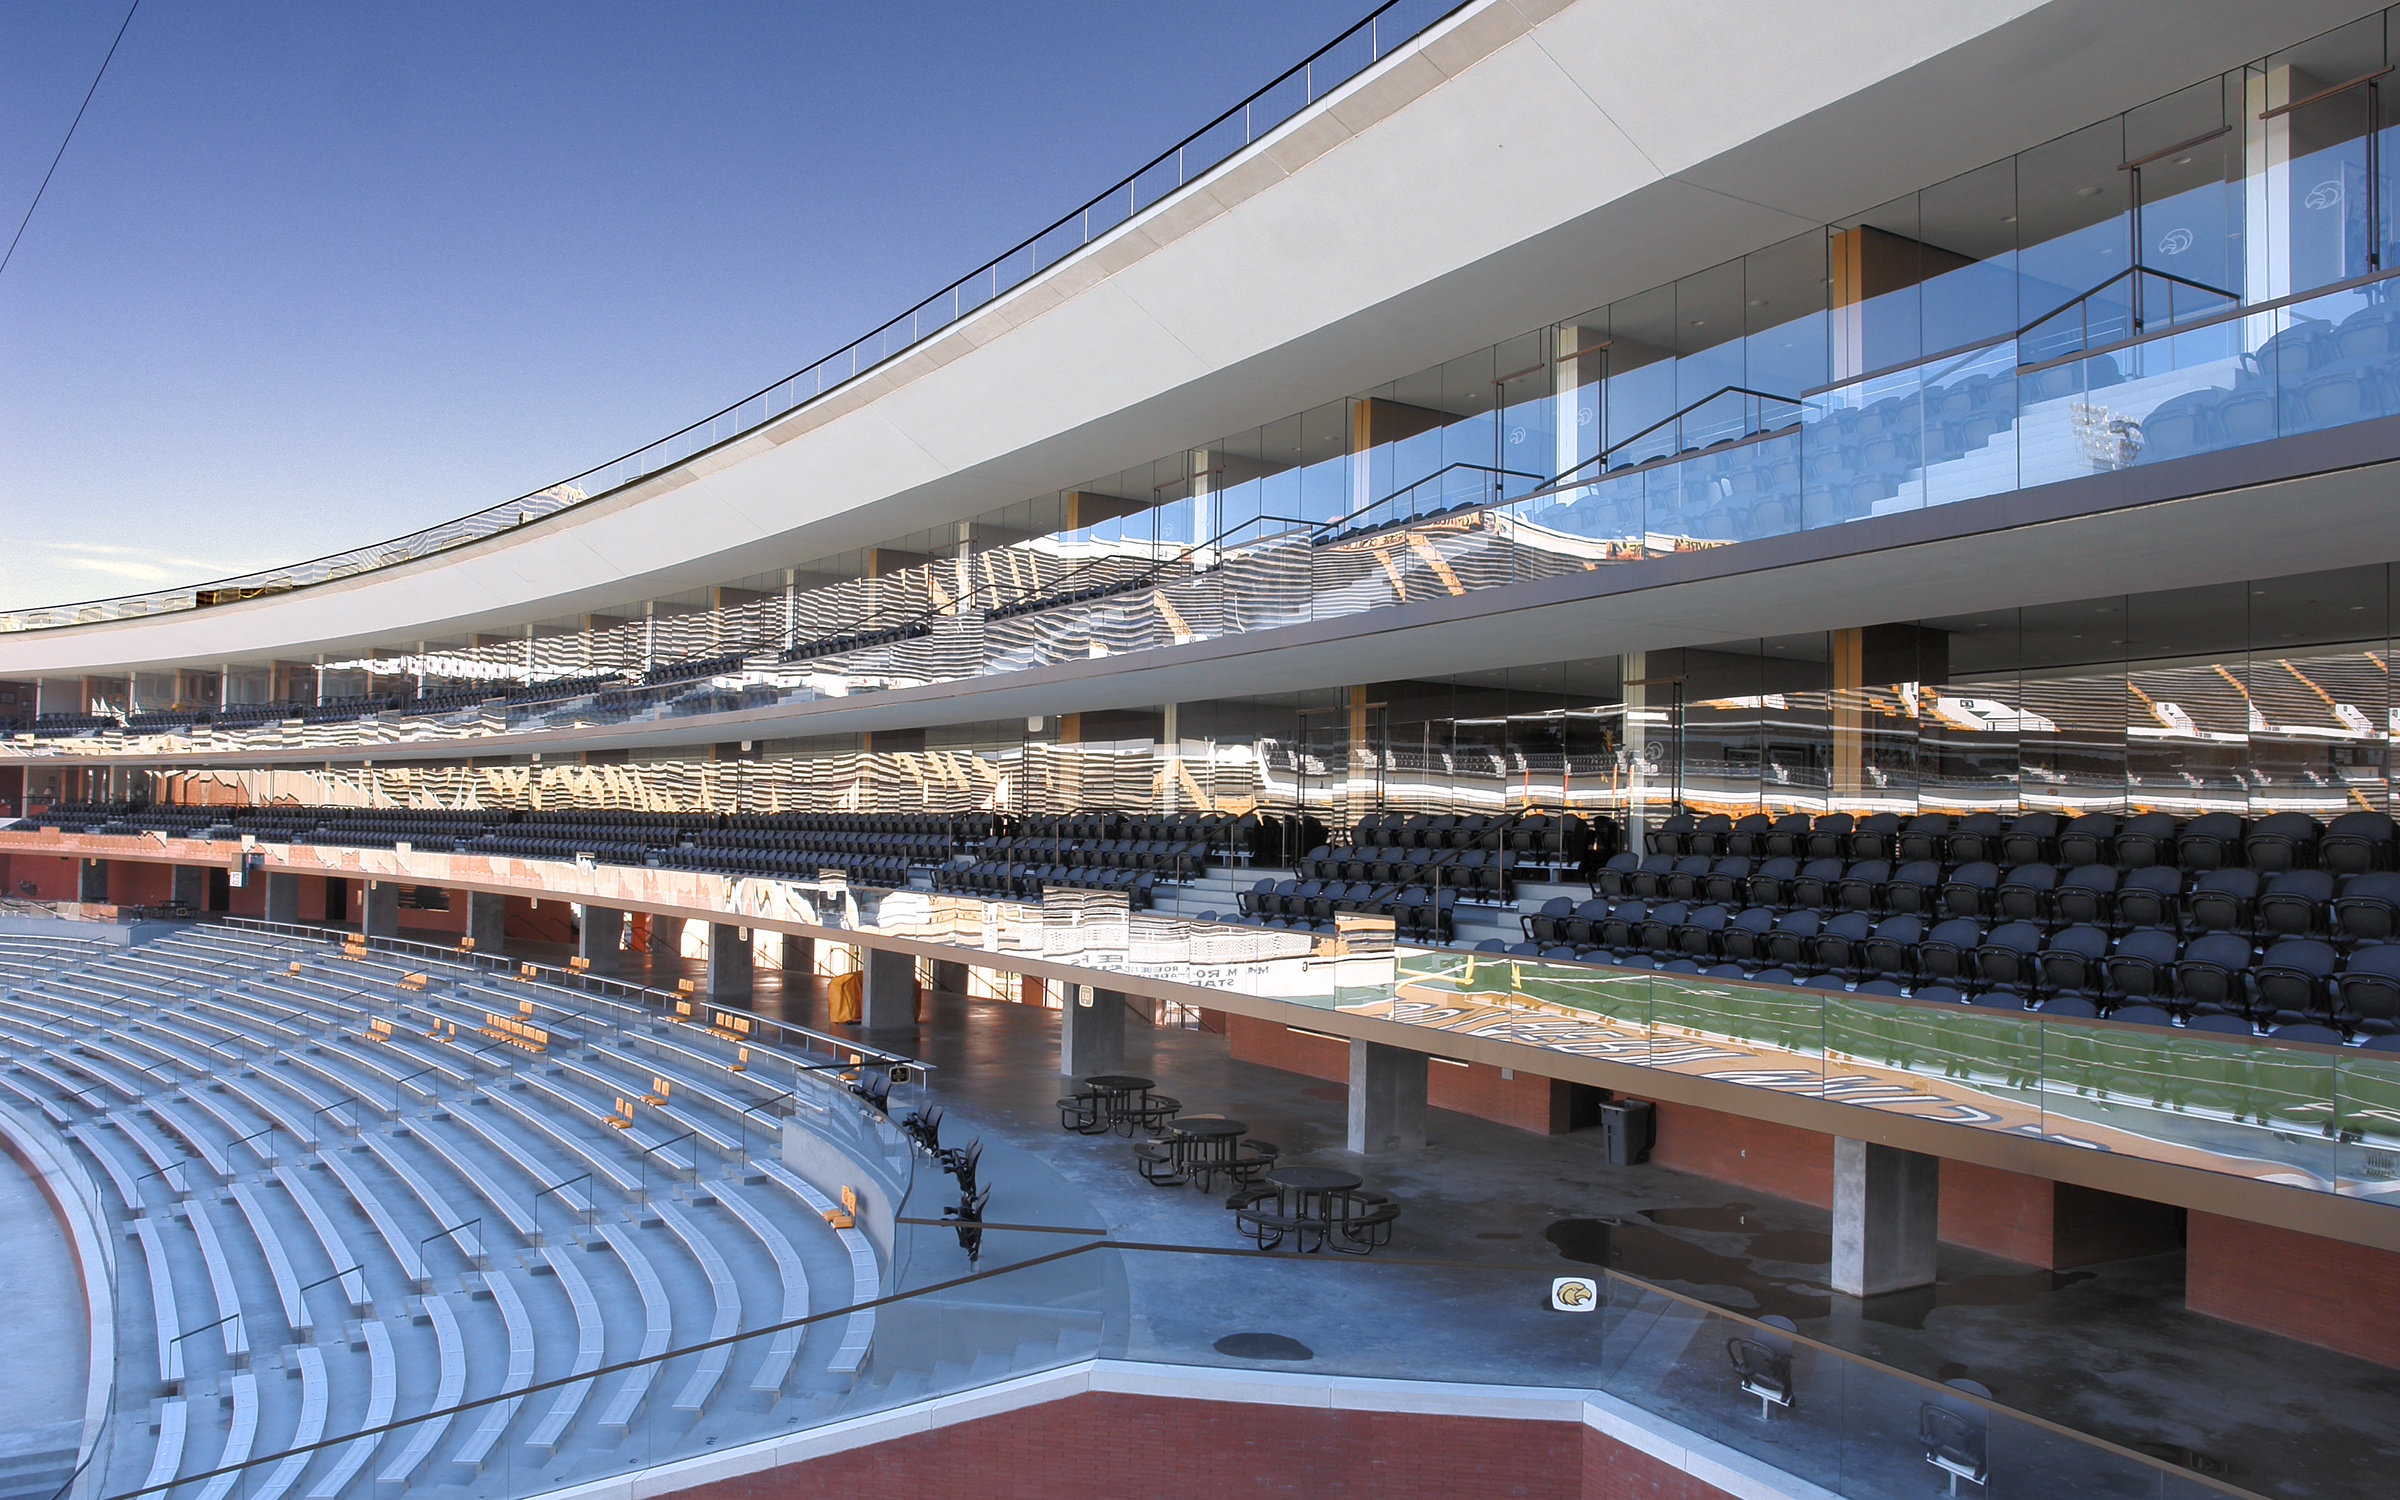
point(2367, 1124)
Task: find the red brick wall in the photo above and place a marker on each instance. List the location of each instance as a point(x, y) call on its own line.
point(2324, 1292)
point(53, 876)
point(133, 882)
point(1163, 1449)
point(1754, 1154)
point(1527, 1101)
point(2004, 1213)
point(1612, 1471)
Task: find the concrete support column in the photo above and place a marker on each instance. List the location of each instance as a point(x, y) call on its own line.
point(799, 954)
point(949, 978)
point(91, 880)
point(597, 939)
point(1091, 1032)
point(379, 911)
point(729, 965)
point(283, 896)
point(191, 887)
point(1387, 1098)
point(487, 921)
point(1886, 1213)
point(888, 991)
point(666, 938)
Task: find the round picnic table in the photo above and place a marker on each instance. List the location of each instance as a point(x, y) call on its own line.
point(1309, 1192)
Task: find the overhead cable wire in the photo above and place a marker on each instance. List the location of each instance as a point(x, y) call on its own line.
point(62, 145)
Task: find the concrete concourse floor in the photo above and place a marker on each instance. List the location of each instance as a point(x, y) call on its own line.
point(42, 1326)
point(2109, 1350)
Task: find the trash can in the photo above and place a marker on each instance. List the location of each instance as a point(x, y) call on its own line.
point(1628, 1127)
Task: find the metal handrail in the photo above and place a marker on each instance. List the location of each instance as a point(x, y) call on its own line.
point(1090, 221)
point(1100, 1240)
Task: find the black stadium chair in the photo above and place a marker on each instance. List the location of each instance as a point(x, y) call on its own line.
point(2073, 961)
point(1915, 888)
point(1947, 956)
point(1840, 945)
point(2295, 903)
point(2086, 894)
point(2150, 839)
point(1542, 926)
point(2212, 977)
point(1689, 875)
point(1876, 836)
point(2368, 909)
point(1861, 886)
point(1813, 887)
point(2008, 958)
point(2089, 840)
point(1789, 943)
point(2223, 900)
point(2142, 966)
point(1927, 836)
point(1728, 880)
point(2293, 981)
point(1975, 837)
point(2023, 894)
point(1699, 934)
point(1749, 837)
point(1970, 890)
point(1744, 939)
point(1890, 951)
point(2211, 841)
point(1787, 837)
point(2368, 991)
point(2151, 896)
point(1771, 883)
point(2282, 841)
point(2031, 840)
point(1829, 837)
point(2356, 843)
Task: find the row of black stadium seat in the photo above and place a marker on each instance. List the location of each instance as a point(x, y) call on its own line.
point(1417, 911)
point(2288, 980)
point(2351, 844)
point(2291, 902)
point(1023, 880)
point(1479, 874)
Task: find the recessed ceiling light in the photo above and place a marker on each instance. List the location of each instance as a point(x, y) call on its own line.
point(1697, 322)
point(1758, 302)
point(2087, 192)
point(2008, 218)
point(2183, 161)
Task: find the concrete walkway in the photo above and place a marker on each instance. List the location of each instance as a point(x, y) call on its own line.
point(2109, 1351)
point(44, 1348)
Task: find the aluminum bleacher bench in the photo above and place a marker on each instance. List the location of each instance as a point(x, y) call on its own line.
point(279, 1262)
point(784, 1347)
point(858, 1330)
point(329, 1237)
point(383, 1389)
point(727, 1295)
point(450, 1388)
point(658, 1328)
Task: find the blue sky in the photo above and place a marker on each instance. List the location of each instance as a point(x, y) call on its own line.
point(311, 275)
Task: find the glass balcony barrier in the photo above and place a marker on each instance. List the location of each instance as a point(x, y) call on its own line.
point(2197, 375)
point(1032, 1301)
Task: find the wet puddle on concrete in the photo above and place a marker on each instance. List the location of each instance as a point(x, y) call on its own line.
point(1773, 1271)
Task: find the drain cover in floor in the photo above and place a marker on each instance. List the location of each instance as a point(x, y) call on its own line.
point(1263, 1346)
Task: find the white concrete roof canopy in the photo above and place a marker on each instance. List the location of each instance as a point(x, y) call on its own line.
point(1524, 161)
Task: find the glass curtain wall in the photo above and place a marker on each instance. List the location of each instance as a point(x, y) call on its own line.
point(2252, 697)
